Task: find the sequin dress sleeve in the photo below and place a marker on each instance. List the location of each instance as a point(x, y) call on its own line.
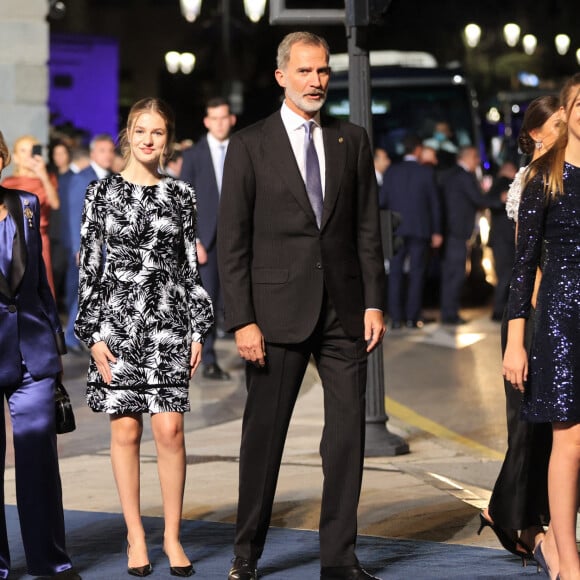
point(531, 216)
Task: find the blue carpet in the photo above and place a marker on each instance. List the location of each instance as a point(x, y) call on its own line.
point(96, 544)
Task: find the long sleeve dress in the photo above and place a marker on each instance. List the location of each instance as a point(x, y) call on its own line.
point(553, 388)
point(140, 292)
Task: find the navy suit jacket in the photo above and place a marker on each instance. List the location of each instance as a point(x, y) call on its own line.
point(198, 170)
point(409, 189)
point(462, 197)
point(75, 202)
point(30, 330)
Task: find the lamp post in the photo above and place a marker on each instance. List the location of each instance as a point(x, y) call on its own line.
point(254, 9)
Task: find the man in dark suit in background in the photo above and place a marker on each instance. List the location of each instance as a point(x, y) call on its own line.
point(301, 267)
point(462, 197)
point(203, 167)
point(409, 189)
point(102, 153)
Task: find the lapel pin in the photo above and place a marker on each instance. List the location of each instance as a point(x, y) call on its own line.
point(28, 214)
point(340, 139)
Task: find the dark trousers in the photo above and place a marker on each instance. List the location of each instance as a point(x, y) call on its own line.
point(452, 277)
point(520, 494)
point(272, 393)
point(211, 282)
point(503, 257)
point(38, 488)
point(410, 308)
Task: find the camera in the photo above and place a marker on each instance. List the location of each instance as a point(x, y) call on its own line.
point(36, 150)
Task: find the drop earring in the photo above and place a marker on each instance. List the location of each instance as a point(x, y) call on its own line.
point(539, 144)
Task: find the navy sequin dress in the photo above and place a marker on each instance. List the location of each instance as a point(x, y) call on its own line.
point(553, 389)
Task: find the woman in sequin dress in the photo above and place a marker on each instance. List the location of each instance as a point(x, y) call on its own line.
point(549, 214)
point(520, 495)
point(144, 314)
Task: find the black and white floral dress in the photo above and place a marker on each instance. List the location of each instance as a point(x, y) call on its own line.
point(140, 292)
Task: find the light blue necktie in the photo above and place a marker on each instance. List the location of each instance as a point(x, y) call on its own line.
point(221, 161)
point(313, 182)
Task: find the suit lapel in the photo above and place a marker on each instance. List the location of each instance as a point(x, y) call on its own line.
point(19, 255)
point(277, 144)
point(335, 159)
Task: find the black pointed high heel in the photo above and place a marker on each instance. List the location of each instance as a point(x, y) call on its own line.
point(509, 544)
point(181, 571)
point(140, 571)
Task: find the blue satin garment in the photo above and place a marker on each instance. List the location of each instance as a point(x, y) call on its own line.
point(7, 231)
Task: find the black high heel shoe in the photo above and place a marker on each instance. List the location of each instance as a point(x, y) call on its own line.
point(508, 543)
point(140, 571)
point(181, 571)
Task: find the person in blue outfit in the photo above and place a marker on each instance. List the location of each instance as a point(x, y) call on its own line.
point(409, 189)
point(549, 236)
point(102, 152)
point(203, 167)
point(30, 345)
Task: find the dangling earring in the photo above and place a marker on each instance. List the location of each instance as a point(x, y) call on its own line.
point(539, 144)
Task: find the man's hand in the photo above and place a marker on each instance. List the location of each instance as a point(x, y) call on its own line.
point(102, 357)
point(201, 253)
point(374, 328)
point(251, 345)
point(195, 357)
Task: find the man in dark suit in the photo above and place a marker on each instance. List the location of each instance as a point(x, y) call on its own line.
point(102, 152)
point(302, 272)
point(409, 189)
point(462, 197)
point(203, 167)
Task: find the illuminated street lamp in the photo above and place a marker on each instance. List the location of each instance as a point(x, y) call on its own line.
point(190, 9)
point(254, 9)
point(511, 33)
point(472, 34)
point(562, 42)
point(529, 42)
point(179, 62)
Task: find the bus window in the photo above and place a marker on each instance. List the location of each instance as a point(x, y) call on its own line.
point(412, 100)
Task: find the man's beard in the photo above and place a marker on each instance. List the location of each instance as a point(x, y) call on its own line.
point(303, 103)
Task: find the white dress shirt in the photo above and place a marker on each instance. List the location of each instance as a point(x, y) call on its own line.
point(294, 125)
point(217, 151)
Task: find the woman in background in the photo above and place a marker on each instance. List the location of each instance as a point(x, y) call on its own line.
point(519, 501)
point(143, 314)
point(31, 342)
point(30, 174)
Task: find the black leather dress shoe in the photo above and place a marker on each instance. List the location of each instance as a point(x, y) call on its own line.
point(215, 372)
point(243, 569)
point(345, 573)
point(395, 324)
point(413, 324)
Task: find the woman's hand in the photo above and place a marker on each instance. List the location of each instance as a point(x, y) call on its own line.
point(195, 358)
point(103, 357)
point(515, 366)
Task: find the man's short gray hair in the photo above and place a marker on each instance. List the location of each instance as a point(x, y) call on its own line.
point(298, 37)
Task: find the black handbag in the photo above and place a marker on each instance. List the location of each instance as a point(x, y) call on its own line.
point(65, 418)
